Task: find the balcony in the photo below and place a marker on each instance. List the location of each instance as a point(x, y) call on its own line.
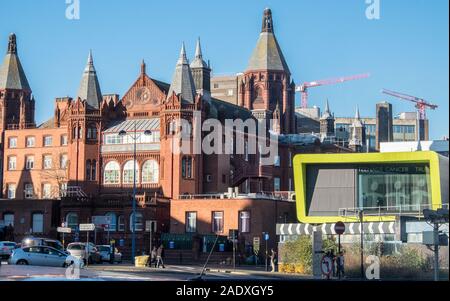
point(128, 148)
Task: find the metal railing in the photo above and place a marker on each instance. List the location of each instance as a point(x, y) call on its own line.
point(111, 148)
point(398, 210)
point(275, 195)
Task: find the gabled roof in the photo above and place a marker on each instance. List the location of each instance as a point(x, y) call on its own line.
point(182, 80)
point(12, 75)
point(267, 54)
point(89, 90)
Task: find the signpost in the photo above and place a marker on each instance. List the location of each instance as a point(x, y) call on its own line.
point(266, 238)
point(150, 226)
point(256, 245)
point(87, 228)
point(63, 230)
point(233, 236)
point(339, 228)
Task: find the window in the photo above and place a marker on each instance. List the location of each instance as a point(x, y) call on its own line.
point(30, 141)
point(191, 222)
point(150, 172)
point(230, 92)
point(80, 132)
point(128, 170)
point(64, 140)
point(48, 140)
point(216, 85)
point(63, 159)
point(112, 139)
point(38, 223)
point(186, 167)
point(276, 160)
point(244, 221)
point(276, 184)
point(88, 170)
point(47, 162)
point(72, 220)
point(12, 163)
point(112, 221)
point(217, 221)
point(92, 132)
point(94, 170)
point(139, 222)
point(111, 175)
point(63, 189)
point(121, 223)
point(29, 191)
point(208, 178)
point(11, 191)
point(8, 218)
point(29, 162)
point(46, 190)
point(12, 142)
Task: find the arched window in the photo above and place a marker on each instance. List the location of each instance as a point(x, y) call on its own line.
point(111, 174)
point(257, 94)
point(121, 223)
point(112, 221)
point(150, 172)
point(72, 220)
point(128, 169)
point(139, 222)
point(80, 132)
point(88, 170)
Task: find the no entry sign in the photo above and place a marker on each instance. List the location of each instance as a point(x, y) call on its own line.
point(339, 228)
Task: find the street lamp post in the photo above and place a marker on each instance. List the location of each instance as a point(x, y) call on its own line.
point(133, 214)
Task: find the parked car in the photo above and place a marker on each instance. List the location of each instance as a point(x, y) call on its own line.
point(78, 250)
point(39, 255)
point(106, 251)
point(6, 248)
point(37, 241)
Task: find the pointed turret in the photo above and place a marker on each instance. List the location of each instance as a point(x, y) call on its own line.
point(267, 54)
point(182, 80)
point(357, 121)
point(12, 75)
point(198, 61)
point(89, 90)
point(326, 114)
point(201, 71)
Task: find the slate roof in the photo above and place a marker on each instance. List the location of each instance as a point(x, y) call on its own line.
point(129, 125)
point(182, 80)
point(89, 89)
point(12, 75)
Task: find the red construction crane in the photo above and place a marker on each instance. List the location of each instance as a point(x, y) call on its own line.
point(421, 104)
point(303, 88)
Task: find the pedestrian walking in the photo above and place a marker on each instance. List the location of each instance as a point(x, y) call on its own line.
point(341, 265)
point(160, 256)
point(273, 256)
point(152, 259)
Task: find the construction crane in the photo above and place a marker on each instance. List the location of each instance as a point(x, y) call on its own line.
point(421, 104)
point(303, 88)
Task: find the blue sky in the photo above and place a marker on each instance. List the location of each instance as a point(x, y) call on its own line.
point(406, 50)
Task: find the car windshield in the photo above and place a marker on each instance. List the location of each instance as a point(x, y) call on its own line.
point(103, 248)
point(76, 247)
point(9, 244)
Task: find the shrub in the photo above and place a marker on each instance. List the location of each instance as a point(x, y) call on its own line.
point(297, 256)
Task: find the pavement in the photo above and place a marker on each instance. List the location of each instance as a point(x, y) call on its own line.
point(127, 272)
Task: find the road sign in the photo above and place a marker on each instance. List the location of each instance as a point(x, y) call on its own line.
point(339, 228)
point(87, 227)
point(266, 236)
point(233, 234)
point(150, 225)
point(64, 230)
point(256, 244)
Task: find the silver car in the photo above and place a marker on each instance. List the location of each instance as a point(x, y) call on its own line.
point(106, 251)
point(39, 255)
point(6, 248)
point(78, 250)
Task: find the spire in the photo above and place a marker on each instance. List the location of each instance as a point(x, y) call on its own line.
point(89, 90)
point(198, 61)
point(267, 24)
point(182, 80)
point(267, 54)
point(327, 114)
point(12, 75)
point(143, 67)
point(357, 121)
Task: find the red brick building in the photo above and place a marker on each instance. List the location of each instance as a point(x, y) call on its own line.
point(84, 154)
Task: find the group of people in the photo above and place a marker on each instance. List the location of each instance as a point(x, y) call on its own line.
point(338, 263)
point(156, 257)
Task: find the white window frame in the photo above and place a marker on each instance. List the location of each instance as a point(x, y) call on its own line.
point(47, 162)
point(29, 162)
point(12, 163)
point(28, 190)
point(48, 140)
point(11, 191)
point(10, 144)
point(111, 173)
point(30, 141)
